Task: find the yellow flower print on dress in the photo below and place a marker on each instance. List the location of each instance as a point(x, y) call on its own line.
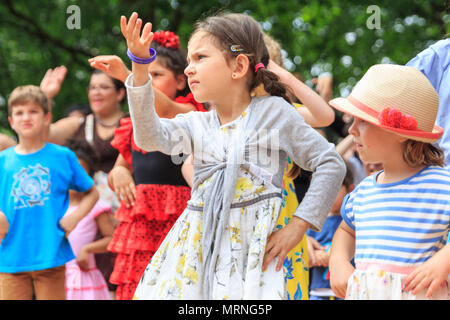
point(157, 257)
point(181, 263)
point(191, 275)
point(183, 235)
point(197, 240)
point(235, 231)
point(243, 184)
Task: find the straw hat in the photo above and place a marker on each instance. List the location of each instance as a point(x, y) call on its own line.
point(396, 98)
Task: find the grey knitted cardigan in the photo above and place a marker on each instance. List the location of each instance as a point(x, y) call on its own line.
point(273, 130)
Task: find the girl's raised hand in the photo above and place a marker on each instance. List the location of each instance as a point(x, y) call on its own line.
point(138, 44)
point(112, 65)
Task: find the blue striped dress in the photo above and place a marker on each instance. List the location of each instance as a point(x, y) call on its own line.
point(398, 226)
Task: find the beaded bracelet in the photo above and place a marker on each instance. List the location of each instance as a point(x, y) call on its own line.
point(142, 61)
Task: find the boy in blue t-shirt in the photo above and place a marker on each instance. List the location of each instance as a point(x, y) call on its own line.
point(34, 181)
point(319, 284)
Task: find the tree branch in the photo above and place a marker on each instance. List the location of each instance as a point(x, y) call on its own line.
point(36, 30)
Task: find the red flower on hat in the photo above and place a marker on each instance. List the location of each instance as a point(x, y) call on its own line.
point(394, 118)
point(167, 39)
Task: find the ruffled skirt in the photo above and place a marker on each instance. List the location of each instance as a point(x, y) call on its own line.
point(140, 231)
point(85, 285)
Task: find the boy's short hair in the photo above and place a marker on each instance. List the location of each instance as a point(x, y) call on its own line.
point(28, 93)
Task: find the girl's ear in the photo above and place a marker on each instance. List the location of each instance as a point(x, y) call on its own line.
point(181, 82)
point(240, 66)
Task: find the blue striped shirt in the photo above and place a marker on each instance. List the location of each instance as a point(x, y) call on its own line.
point(399, 225)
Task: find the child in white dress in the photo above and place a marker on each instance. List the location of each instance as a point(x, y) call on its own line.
point(220, 248)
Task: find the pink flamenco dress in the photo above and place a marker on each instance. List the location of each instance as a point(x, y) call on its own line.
point(90, 284)
point(161, 196)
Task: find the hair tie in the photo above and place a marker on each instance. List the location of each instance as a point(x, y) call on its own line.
point(259, 66)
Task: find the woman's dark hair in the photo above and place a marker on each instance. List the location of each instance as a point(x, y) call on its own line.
point(245, 33)
point(173, 59)
point(117, 83)
point(85, 109)
point(85, 152)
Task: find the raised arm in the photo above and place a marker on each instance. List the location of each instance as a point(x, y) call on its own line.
point(317, 112)
point(52, 81)
point(150, 132)
point(114, 67)
point(64, 129)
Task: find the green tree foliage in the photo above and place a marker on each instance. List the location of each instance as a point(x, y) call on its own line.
point(316, 36)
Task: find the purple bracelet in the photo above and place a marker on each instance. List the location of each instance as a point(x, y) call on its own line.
point(142, 61)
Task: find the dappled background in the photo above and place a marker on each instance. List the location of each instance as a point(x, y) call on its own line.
point(316, 36)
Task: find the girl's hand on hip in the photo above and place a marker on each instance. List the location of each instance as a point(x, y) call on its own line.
point(83, 259)
point(280, 242)
point(138, 44)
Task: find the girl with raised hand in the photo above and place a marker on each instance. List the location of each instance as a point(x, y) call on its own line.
point(220, 247)
point(151, 186)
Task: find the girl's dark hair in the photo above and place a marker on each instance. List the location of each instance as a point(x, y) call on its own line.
point(85, 152)
point(245, 33)
point(117, 83)
point(173, 59)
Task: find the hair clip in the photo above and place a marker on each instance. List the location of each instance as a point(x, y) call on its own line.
point(236, 48)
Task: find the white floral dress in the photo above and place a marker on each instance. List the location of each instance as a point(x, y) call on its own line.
point(216, 248)
point(176, 269)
